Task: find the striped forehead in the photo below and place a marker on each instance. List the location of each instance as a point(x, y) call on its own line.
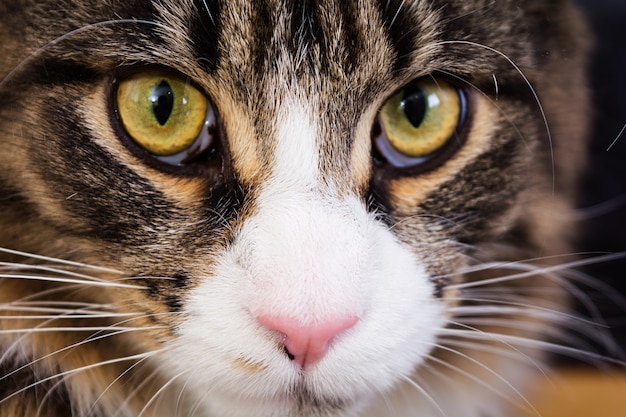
point(301, 75)
point(298, 83)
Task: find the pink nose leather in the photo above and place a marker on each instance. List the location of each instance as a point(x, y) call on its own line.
point(307, 343)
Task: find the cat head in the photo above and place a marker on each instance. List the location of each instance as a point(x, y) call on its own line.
point(294, 199)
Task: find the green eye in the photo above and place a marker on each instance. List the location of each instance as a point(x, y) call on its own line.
point(164, 115)
point(419, 121)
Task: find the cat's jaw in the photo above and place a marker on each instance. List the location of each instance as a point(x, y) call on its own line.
point(353, 266)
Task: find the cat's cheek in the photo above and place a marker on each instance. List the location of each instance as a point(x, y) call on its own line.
point(233, 358)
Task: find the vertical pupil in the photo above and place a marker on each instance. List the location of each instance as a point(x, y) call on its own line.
point(162, 99)
point(414, 105)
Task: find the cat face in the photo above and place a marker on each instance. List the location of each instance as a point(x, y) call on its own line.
point(282, 208)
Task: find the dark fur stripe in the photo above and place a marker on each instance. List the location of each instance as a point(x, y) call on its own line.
point(352, 37)
point(486, 193)
point(113, 197)
point(402, 31)
point(265, 21)
point(205, 30)
point(55, 71)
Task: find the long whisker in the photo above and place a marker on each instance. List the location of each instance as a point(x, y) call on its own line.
point(137, 389)
point(13, 267)
point(70, 281)
point(57, 313)
point(159, 392)
point(426, 395)
point(530, 270)
point(530, 343)
point(98, 333)
point(509, 307)
point(74, 32)
point(570, 339)
point(505, 351)
point(75, 329)
point(48, 394)
point(179, 399)
point(530, 87)
point(80, 369)
point(581, 259)
point(118, 378)
point(51, 304)
point(57, 260)
point(482, 383)
point(67, 348)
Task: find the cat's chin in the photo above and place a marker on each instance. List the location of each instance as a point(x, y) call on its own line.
point(300, 402)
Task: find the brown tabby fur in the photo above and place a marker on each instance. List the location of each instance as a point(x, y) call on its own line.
point(71, 189)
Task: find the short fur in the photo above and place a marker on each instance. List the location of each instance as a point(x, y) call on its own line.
point(130, 287)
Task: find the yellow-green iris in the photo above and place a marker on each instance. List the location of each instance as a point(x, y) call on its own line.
point(421, 118)
point(163, 114)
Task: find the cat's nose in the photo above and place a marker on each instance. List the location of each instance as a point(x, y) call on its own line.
point(306, 344)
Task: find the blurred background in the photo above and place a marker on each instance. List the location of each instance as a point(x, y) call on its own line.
point(603, 200)
point(577, 389)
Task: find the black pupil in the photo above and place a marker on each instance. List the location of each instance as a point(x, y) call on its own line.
point(162, 99)
point(414, 105)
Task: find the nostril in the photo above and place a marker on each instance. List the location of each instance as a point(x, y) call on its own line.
point(289, 355)
point(306, 344)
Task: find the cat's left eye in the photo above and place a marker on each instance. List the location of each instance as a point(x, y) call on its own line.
point(419, 122)
point(165, 115)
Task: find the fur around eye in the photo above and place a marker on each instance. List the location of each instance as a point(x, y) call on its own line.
point(164, 115)
point(419, 121)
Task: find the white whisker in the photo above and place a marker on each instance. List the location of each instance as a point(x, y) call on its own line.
point(426, 395)
point(68, 316)
point(118, 378)
point(79, 329)
point(159, 392)
point(70, 281)
point(506, 351)
point(506, 307)
point(531, 89)
point(530, 343)
point(619, 135)
point(57, 313)
point(138, 388)
point(530, 270)
point(57, 260)
point(80, 369)
point(482, 383)
point(48, 394)
point(92, 338)
point(13, 267)
point(67, 348)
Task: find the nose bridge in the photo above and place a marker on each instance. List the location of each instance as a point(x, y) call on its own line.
point(296, 147)
point(305, 257)
point(314, 138)
point(305, 243)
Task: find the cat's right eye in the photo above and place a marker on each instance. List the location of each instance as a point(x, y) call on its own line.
point(419, 122)
point(165, 115)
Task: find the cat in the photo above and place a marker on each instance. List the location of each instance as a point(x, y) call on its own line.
point(287, 208)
